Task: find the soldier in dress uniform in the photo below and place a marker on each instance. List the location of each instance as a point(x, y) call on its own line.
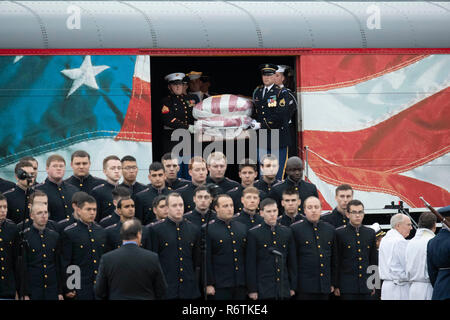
point(272, 112)
point(129, 173)
point(202, 199)
point(42, 266)
point(118, 193)
point(77, 198)
point(157, 186)
point(80, 161)
point(176, 110)
point(9, 242)
point(40, 198)
point(82, 244)
point(315, 242)
point(177, 242)
point(225, 253)
point(160, 207)
point(249, 215)
point(198, 172)
point(17, 196)
point(271, 264)
point(35, 164)
point(338, 217)
point(171, 168)
point(294, 171)
point(290, 202)
point(438, 260)
point(6, 185)
point(217, 166)
point(58, 191)
point(357, 250)
point(195, 84)
point(112, 168)
point(268, 172)
point(248, 172)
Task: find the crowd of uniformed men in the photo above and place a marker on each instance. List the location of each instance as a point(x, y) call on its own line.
point(257, 239)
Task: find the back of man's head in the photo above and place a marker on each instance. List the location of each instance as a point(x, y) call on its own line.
point(130, 229)
point(427, 220)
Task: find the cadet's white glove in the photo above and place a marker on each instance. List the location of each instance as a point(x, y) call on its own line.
point(255, 125)
point(191, 128)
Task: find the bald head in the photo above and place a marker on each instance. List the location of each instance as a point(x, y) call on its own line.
point(131, 230)
point(294, 168)
point(402, 223)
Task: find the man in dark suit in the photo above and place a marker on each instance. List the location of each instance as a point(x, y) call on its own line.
point(130, 272)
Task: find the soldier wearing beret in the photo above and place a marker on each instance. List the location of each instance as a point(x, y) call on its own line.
point(271, 265)
point(357, 250)
point(82, 244)
point(58, 191)
point(315, 243)
point(177, 242)
point(80, 161)
point(272, 112)
point(225, 253)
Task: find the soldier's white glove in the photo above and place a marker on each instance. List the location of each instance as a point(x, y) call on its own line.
point(191, 128)
point(255, 125)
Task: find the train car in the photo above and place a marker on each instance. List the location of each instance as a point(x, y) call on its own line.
point(371, 79)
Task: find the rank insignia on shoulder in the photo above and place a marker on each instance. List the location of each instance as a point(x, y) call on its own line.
point(282, 102)
point(165, 110)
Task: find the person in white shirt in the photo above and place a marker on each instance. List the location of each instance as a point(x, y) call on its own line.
point(392, 262)
point(416, 258)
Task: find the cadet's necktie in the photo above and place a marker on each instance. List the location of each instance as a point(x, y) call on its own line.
point(264, 91)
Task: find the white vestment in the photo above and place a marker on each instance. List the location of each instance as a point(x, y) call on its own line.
point(392, 266)
point(416, 266)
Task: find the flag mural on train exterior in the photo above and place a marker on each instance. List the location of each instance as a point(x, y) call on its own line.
point(59, 104)
point(380, 123)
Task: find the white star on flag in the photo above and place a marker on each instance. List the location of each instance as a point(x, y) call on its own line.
point(17, 58)
point(85, 74)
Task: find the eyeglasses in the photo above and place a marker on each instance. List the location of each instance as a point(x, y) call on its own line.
point(356, 212)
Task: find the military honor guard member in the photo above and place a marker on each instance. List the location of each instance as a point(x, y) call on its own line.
point(315, 243)
point(9, 241)
point(438, 260)
point(248, 172)
point(129, 173)
point(271, 266)
point(392, 260)
point(225, 253)
point(198, 172)
point(77, 198)
point(42, 266)
point(294, 171)
point(38, 197)
point(217, 166)
point(58, 191)
point(82, 244)
point(16, 196)
point(249, 215)
point(177, 243)
point(171, 168)
point(338, 217)
point(6, 185)
point(160, 207)
point(272, 113)
point(157, 186)
point(290, 200)
point(80, 161)
point(357, 250)
point(268, 172)
point(112, 168)
point(202, 200)
point(118, 193)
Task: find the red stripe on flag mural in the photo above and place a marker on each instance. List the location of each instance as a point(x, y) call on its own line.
point(137, 125)
point(323, 201)
point(406, 188)
point(326, 72)
point(405, 141)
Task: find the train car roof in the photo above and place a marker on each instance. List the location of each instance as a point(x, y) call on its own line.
point(223, 24)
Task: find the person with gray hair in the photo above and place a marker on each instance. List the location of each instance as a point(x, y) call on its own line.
point(130, 272)
point(416, 258)
point(392, 262)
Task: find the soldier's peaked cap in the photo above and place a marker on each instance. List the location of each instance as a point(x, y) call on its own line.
point(268, 68)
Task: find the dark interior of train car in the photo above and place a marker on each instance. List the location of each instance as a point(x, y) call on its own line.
point(229, 75)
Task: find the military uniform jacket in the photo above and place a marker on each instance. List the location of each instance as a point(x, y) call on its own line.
point(176, 111)
point(236, 195)
point(85, 184)
point(335, 218)
point(59, 199)
point(176, 184)
point(187, 193)
point(178, 247)
point(6, 185)
point(357, 250)
point(225, 185)
point(316, 256)
point(113, 240)
point(135, 188)
point(61, 225)
point(225, 253)
point(43, 272)
point(144, 203)
point(438, 262)
point(248, 220)
point(9, 244)
point(16, 203)
point(52, 225)
point(103, 194)
point(82, 245)
point(264, 269)
point(263, 186)
point(199, 219)
point(286, 220)
point(109, 220)
point(273, 112)
point(305, 190)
